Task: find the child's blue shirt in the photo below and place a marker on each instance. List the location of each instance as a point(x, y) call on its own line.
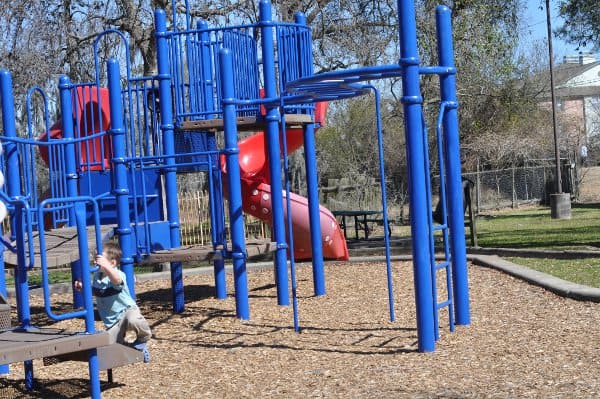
point(112, 300)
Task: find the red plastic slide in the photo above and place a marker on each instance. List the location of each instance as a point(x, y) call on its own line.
point(256, 196)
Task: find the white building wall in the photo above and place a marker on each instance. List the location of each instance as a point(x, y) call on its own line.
point(590, 77)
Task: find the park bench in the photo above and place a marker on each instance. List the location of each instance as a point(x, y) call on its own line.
point(362, 218)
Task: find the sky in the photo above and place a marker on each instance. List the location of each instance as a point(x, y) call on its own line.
point(536, 29)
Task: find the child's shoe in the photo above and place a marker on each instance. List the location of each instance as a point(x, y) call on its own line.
point(142, 347)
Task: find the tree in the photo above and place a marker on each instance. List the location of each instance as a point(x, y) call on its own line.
point(582, 22)
point(348, 148)
point(47, 38)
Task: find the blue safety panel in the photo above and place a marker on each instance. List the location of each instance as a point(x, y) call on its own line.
point(196, 151)
point(96, 183)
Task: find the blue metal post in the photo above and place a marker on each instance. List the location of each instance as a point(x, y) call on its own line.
point(167, 128)
point(236, 217)
point(4, 368)
point(274, 153)
point(13, 187)
point(68, 133)
point(314, 212)
point(14, 191)
point(119, 162)
point(93, 364)
point(417, 169)
point(207, 95)
point(312, 186)
point(454, 178)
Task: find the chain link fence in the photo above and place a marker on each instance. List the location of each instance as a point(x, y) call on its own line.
point(519, 185)
point(492, 189)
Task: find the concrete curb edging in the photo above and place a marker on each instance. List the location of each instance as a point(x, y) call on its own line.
point(554, 284)
point(534, 253)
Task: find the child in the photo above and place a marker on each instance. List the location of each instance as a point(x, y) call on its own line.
point(116, 307)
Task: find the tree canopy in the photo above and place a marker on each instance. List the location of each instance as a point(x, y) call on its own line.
point(46, 38)
point(582, 22)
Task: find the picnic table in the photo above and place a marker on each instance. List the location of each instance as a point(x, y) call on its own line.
point(361, 220)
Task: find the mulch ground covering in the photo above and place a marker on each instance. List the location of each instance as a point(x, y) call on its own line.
point(522, 342)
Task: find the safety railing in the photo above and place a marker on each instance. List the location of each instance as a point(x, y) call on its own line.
point(194, 65)
point(79, 208)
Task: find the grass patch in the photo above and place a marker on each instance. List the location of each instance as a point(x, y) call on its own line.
point(580, 271)
point(35, 278)
point(533, 228)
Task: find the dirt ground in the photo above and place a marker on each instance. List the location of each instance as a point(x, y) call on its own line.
point(523, 342)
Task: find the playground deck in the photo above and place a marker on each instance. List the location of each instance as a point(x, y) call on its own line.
point(246, 123)
point(61, 245)
point(62, 249)
point(35, 343)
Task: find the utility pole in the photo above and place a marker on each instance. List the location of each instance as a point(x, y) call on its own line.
point(560, 203)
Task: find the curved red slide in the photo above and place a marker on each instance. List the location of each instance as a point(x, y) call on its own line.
point(256, 196)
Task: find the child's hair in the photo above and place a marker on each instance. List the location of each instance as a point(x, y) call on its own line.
point(112, 251)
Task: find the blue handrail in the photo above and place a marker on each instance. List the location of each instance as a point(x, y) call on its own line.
point(49, 205)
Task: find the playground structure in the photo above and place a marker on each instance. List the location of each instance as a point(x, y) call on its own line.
point(113, 158)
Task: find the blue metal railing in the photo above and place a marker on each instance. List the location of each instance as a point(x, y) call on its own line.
point(78, 204)
point(194, 65)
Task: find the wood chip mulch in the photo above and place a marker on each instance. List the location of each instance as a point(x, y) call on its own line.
point(523, 342)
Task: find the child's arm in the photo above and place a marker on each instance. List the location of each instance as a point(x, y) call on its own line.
point(109, 268)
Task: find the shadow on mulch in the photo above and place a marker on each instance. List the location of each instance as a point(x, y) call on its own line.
point(236, 340)
point(191, 293)
point(264, 287)
point(45, 389)
point(409, 348)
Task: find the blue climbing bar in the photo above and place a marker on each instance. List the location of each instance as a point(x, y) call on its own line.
point(68, 132)
point(219, 230)
point(119, 162)
point(312, 188)
point(167, 127)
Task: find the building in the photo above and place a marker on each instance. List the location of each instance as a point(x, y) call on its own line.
point(577, 91)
